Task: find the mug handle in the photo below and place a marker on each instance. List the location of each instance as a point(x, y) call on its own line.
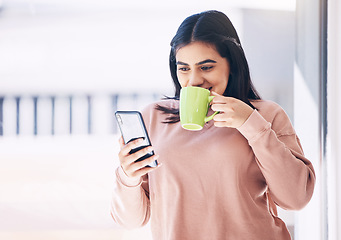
point(209, 118)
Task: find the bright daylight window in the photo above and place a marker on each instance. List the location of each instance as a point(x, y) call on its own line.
point(66, 66)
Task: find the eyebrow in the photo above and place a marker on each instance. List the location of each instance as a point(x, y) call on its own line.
point(199, 63)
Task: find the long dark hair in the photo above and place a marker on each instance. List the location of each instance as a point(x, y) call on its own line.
point(213, 27)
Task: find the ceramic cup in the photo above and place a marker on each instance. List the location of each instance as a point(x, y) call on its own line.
point(194, 104)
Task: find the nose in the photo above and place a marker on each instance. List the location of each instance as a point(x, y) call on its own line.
point(195, 79)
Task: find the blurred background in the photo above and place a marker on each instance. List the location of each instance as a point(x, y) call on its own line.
point(67, 66)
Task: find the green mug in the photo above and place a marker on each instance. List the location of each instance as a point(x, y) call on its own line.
point(194, 104)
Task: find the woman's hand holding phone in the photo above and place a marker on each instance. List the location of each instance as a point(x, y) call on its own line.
point(132, 168)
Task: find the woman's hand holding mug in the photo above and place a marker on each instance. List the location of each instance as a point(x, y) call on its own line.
point(232, 112)
point(194, 104)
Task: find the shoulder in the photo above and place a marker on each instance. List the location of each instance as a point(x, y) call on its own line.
point(265, 105)
point(267, 108)
point(276, 115)
point(169, 103)
point(151, 114)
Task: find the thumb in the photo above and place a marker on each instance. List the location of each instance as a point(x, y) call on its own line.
point(217, 98)
point(214, 93)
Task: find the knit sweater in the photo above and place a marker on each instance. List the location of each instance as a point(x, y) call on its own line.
point(218, 183)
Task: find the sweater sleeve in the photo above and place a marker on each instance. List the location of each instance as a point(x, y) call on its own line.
point(130, 206)
point(130, 201)
point(289, 175)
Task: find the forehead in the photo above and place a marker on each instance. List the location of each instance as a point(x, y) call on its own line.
point(196, 52)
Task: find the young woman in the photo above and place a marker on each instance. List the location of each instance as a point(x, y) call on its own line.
point(224, 181)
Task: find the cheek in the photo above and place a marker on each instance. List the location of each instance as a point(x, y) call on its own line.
point(224, 83)
point(220, 82)
point(225, 76)
point(181, 80)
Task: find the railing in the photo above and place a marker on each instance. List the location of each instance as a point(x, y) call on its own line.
point(66, 114)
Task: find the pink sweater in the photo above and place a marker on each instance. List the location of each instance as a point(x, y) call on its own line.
point(218, 183)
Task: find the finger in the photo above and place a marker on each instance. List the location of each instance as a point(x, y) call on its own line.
point(217, 96)
point(214, 93)
point(221, 117)
point(145, 162)
point(221, 124)
point(129, 146)
point(138, 169)
point(135, 156)
point(121, 142)
point(218, 99)
point(221, 107)
point(145, 170)
point(130, 159)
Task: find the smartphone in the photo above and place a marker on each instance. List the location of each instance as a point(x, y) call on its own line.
point(132, 127)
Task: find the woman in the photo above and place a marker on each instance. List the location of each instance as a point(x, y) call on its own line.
point(224, 181)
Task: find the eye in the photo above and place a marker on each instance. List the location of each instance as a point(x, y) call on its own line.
point(206, 68)
point(183, 69)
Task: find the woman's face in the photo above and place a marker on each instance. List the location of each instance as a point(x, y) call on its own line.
point(199, 64)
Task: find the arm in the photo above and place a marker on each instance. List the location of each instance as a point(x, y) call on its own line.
point(130, 201)
point(289, 175)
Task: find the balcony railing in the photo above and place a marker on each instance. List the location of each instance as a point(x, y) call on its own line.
point(66, 114)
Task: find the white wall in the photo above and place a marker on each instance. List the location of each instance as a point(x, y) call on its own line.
point(334, 120)
point(306, 111)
